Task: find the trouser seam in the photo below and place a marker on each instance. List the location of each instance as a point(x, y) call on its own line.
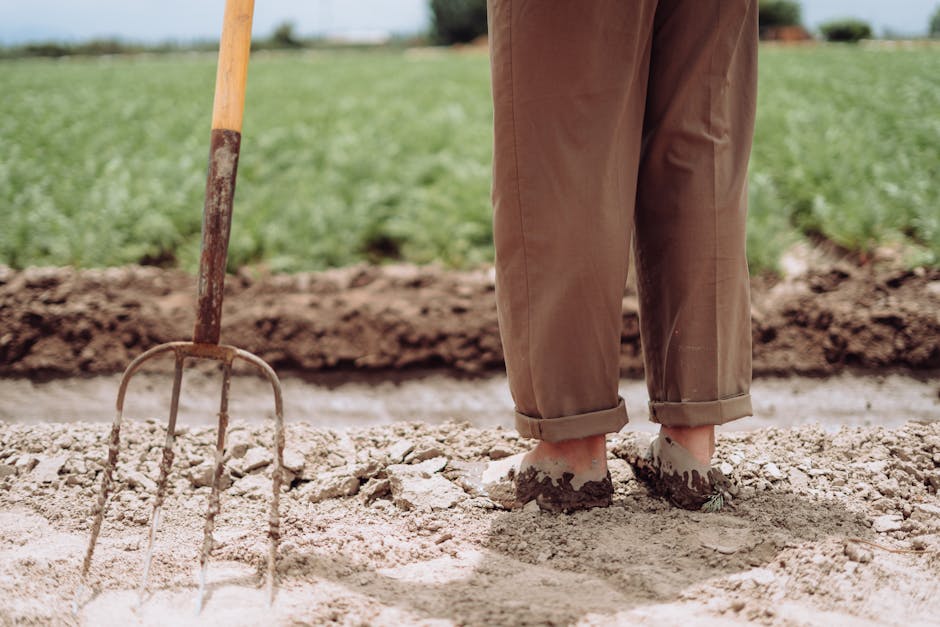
point(515, 156)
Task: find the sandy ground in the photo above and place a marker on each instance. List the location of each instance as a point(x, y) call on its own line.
point(337, 400)
point(381, 527)
point(380, 523)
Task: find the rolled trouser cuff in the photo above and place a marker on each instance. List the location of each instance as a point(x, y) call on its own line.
point(574, 426)
point(701, 413)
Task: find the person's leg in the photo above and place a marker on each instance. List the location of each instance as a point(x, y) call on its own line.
point(569, 83)
point(690, 218)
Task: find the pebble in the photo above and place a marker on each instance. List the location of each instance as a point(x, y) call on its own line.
point(857, 553)
point(293, 460)
point(772, 471)
point(373, 489)
point(798, 478)
point(201, 476)
point(888, 522)
point(499, 451)
point(399, 449)
point(47, 469)
point(926, 511)
point(25, 463)
point(619, 469)
point(238, 444)
point(254, 487)
point(255, 459)
point(426, 453)
point(414, 491)
point(424, 469)
point(331, 485)
point(6, 470)
point(140, 480)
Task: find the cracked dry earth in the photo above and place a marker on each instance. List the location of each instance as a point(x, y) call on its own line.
point(381, 527)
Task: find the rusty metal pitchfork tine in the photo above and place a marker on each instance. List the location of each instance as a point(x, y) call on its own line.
point(217, 220)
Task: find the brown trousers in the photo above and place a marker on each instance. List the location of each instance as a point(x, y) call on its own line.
point(620, 119)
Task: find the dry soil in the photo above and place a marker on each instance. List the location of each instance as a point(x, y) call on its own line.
point(380, 527)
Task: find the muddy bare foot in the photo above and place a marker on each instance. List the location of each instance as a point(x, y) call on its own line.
point(559, 476)
point(672, 472)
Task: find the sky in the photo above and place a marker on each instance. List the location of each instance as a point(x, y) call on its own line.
point(186, 20)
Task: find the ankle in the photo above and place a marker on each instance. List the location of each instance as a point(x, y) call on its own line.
point(579, 455)
point(699, 441)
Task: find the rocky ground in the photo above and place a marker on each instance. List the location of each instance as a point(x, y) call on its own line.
point(63, 322)
point(381, 526)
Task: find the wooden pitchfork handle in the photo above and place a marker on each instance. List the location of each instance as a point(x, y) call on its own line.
point(227, 109)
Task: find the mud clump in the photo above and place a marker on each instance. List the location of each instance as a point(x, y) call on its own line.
point(63, 322)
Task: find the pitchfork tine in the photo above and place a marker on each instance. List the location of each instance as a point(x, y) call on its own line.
point(166, 463)
point(97, 510)
point(207, 539)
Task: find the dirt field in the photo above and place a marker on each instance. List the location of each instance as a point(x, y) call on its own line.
point(60, 322)
point(380, 522)
point(380, 527)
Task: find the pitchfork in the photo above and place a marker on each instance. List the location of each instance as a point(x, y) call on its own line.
point(217, 220)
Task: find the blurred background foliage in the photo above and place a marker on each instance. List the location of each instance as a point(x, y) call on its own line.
point(383, 153)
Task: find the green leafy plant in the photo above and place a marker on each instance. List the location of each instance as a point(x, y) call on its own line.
point(353, 156)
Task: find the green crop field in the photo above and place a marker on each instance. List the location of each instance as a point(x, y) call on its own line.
point(352, 156)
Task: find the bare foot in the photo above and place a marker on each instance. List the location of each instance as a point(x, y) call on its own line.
point(699, 441)
point(585, 458)
point(561, 476)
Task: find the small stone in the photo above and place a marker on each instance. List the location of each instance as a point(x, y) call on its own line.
point(47, 470)
point(373, 489)
point(925, 511)
point(140, 480)
point(426, 453)
point(499, 451)
point(6, 470)
point(414, 491)
point(876, 467)
point(253, 487)
point(532, 507)
point(857, 553)
point(25, 463)
point(620, 470)
point(365, 470)
point(201, 476)
point(886, 523)
point(772, 472)
point(293, 460)
point(798, 478)
point(399, 449)
point(726, 468)
point(238, 444)
point(332, 485)
point(255, 459)
point(889, 487)
point(431, 466)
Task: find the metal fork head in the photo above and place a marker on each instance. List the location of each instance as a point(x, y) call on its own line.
point(227, 355)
